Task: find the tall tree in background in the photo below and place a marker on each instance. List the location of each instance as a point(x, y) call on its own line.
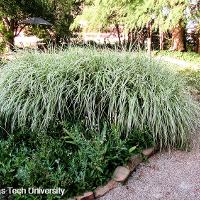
point(166, 14)
point(104, 13)
point(151, 15)
point(64, 13)
point(178, 12)
point(195, 16)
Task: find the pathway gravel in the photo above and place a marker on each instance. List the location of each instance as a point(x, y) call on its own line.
point(166, 176)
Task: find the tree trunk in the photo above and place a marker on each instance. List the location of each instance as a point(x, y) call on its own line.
point(196, 40)
point(161, 40)
point(9, 36)
point(149, 38)
point(10, 43)
point(130, 39)
point(198, 45)
point(118, 33)
point(178, 39)
point(53, 36)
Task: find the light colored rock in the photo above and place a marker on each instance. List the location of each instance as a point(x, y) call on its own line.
point(134, 162)
point(102, 190)
point(148, 152)
point(121, 174)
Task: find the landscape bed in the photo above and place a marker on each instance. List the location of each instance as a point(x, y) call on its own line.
point(68, 118)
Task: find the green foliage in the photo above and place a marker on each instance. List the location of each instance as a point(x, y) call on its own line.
point(18, 9)
point(104, 14)
point(60, 13)
point(166, 14)
point(96, 86)
point(65, 157)
point(12, 11)
point(4, 35)
point(133, 14)
point(63, 13)
point(2, 47)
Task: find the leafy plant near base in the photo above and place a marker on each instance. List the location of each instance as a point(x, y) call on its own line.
point(76, 161)
point(131, 92)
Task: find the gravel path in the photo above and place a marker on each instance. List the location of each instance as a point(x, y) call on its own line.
point(166, 176)
point(178, 62)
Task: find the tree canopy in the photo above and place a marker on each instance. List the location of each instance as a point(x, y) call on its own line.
point(136, 13)
point(163, 15)
point(60, 13)
point(154, 15)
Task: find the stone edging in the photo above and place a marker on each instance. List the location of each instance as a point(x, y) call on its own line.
point(119, 177)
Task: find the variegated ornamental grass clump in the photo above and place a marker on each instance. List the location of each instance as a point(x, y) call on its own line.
point(95, 86)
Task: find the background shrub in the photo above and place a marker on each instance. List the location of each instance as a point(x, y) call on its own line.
point(131, 92)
